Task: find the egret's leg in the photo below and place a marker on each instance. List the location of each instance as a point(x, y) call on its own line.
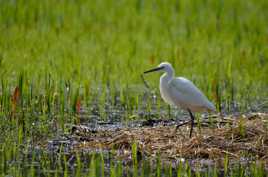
point(192, 122)
point(179, 125)
point(169, 111)
point(184, 123)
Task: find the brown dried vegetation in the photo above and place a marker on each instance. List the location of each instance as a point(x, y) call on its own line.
point(235, 136)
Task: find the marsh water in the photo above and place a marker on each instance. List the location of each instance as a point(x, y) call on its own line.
point(58, 155)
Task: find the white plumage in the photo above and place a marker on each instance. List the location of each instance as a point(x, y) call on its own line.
point(181, 92)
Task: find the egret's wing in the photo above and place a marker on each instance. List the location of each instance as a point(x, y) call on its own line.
point(187, 94)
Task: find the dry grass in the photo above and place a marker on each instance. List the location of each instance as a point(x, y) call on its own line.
point(239, 136)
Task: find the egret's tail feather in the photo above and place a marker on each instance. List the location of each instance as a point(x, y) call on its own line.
point(211, 107)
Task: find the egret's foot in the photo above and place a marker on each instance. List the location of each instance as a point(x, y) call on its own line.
point(179, 125)
point(191, 130)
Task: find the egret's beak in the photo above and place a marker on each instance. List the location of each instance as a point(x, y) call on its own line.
point(154, 69)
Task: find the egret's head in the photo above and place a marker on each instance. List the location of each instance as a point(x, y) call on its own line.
point(164, 66)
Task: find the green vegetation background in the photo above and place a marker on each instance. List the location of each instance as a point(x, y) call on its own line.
point(220, 45)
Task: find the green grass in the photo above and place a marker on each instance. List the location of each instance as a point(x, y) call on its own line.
point(214, 43)
point(63, 53)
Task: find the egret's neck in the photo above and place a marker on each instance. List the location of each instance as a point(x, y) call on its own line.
point(169, 73)
point(167, 76)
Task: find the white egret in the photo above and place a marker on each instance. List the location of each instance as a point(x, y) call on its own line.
point(181, 92)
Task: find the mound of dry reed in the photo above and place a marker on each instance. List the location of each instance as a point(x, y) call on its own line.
point(235, 136)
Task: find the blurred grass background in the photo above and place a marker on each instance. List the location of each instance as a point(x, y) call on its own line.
point(220, 45)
